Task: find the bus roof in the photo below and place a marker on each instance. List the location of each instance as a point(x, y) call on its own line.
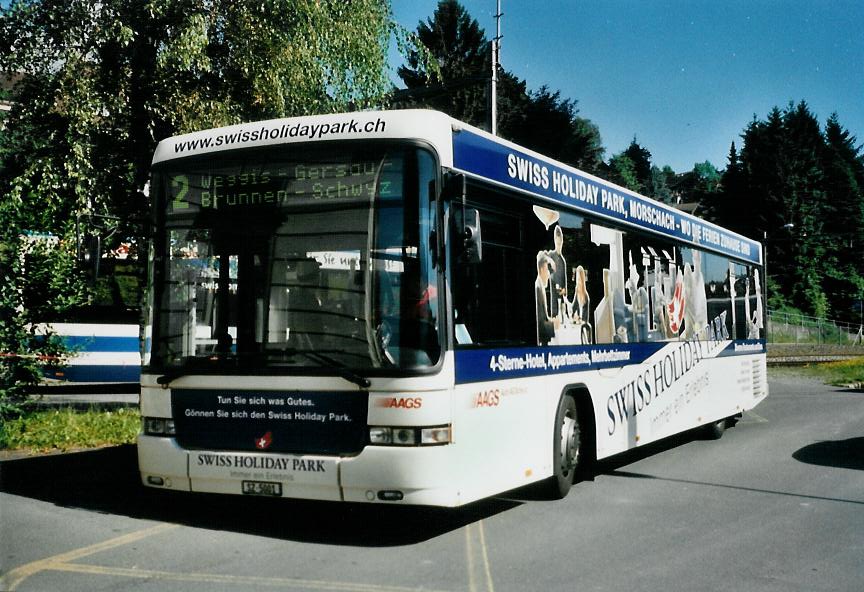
point(432, 126)
point(479, 155)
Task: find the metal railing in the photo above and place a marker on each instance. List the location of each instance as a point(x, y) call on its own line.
point(784, 327)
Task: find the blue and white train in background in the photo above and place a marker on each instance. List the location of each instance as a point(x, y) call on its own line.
point(98, 352)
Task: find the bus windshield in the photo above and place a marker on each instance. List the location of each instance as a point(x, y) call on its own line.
point(304, 257)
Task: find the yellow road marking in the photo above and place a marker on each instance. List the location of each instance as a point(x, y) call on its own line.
point(63, 563)
point(284, 583)
point(469, 553)
point(12, 579)
point(486, 568)
point(483, 557)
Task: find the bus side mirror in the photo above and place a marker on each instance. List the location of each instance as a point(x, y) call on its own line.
point(90, 254)
point(454, 187)
point(467, 233)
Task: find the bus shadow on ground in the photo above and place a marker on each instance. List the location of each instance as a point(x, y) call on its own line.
point(107, 481)
point(608, 466)
point(841, 454)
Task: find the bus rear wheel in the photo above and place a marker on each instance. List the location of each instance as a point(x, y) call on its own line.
point(566, 448)
point(714, 431)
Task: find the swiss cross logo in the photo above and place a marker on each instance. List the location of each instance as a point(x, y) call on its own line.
point(263, 443)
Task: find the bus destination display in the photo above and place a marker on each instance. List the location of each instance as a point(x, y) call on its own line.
point(278, 185)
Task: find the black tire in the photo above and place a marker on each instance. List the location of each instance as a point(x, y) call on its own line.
point(566, 448)
point(714, 431)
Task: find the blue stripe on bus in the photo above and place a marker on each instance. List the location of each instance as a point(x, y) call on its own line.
point(743, 347)
point(481, 365)
point(96, 373)
point(478, 365)
point(101, 343)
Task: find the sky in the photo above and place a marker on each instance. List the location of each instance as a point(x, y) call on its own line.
point(684, 77)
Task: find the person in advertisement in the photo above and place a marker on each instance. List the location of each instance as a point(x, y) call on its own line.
point(582, 304)
point(546, 325)
point(639, 305)
point(558, 279)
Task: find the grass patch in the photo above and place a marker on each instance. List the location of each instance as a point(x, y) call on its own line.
point(68, 429)
point(838, 373)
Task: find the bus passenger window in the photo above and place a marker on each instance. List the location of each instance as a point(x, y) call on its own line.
point(491, 298)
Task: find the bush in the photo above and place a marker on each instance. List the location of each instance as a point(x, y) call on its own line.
point(39, 280)
point(67, 429)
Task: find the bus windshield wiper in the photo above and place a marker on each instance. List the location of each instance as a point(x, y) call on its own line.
point(191, 364)
point(172, 375)
point(331, 364)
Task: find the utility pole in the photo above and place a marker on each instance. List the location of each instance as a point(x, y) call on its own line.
point(496, 45)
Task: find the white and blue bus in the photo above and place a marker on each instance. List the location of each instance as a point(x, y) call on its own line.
point(397, 307)
point(96, 353)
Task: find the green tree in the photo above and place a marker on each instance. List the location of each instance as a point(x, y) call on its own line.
point(641, 159)
point(805, 197)
point(458, 84)
point(102, 83)
point(706, 182)
point(552, 126)
point(622, 170)
point(799, 188)
point(708, 176)
point(727, 200)
point(698, 186)
point(30, 264)
point(844, 219)
point(761, 161)
point(663, 182)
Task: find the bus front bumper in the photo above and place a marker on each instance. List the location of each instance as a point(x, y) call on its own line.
point(379, 474)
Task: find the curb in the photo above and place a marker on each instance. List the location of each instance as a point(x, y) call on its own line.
point(83, 403)
point(86, 388)
point(800, 360)
point(14, 455)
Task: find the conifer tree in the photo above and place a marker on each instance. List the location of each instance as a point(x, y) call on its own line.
point(461, 49)
point(541, 120)
point(844, 219)
point(641, 159)
point(800, 190)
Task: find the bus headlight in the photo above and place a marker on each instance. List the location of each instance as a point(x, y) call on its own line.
point(380, 435)
point(438, 435)
point(158, 426)
point(410, 436)
point(405, 436)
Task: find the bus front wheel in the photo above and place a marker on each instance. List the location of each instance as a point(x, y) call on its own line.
point(566, 448)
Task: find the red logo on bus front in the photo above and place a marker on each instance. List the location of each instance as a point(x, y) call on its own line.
point(401, 402)
point(263, 443)
point(489, 398)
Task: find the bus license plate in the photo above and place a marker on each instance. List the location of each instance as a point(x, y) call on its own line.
point(262, 488)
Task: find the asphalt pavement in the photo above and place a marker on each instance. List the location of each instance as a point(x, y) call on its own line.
point(776, 505)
